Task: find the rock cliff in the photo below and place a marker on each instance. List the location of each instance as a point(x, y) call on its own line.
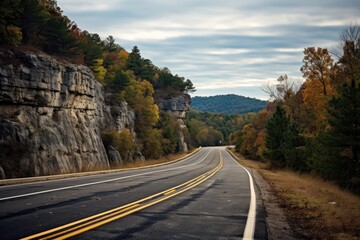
point(178, 106)
point(51, 115)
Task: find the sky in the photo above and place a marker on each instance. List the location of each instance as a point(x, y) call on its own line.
point(222, 46)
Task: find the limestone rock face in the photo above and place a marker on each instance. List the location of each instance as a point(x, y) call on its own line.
point(50, 117)
point(178, 106)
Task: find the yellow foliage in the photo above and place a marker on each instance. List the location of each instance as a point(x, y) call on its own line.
point(315, 103)
point(15, 34)
point(99, 70)
point(317, 89)
point(139, 95)
point(115, 61)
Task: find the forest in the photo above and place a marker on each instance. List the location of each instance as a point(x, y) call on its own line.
point(227, 104)
point(313, 128)
point(214, 129)
point(40, 26)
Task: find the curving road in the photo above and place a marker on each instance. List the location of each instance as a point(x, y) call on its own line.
point(208, 195)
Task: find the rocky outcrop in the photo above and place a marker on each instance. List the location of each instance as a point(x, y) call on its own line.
point(51, 116)
point(178, 106)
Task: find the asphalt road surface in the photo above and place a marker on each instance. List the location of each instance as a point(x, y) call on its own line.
point(208, 195)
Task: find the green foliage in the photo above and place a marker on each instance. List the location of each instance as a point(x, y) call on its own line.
point(151, 140)
point(341, 143)
point(283, 141)
point(227, 104)
point(92, 47)
point(225, 124)
point(170, 127)
point(59, 39)
point(122, 141)
point(276, 127)
point(119, 82)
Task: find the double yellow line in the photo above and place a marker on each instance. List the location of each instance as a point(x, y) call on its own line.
point(86, 224)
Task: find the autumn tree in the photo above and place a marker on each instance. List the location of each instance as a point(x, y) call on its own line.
point(317, 89)
point(317, 67)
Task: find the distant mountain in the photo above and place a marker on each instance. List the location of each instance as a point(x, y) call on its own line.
point(228, 104)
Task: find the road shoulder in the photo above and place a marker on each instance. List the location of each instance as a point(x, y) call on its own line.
point(276, 222)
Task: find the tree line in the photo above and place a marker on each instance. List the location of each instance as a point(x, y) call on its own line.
point(214, 129)
point(314, 128)
point(39, 25)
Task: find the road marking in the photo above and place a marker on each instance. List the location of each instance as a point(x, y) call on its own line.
point(100, 182)
point(251, 217)
point(6, 183)
point(170, 191)
point(86, 224)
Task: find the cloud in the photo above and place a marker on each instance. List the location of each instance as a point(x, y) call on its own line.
point(223, 45)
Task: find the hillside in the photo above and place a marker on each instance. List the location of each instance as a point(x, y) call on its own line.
point(227, 104)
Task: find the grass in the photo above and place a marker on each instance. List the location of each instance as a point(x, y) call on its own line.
point(316, 209)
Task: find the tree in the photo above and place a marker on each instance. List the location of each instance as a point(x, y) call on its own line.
point(99, 70)
point(349, 61)
point(10, 30)
point(92, 47)
point(135, 62)
point(170, 129)
point(317, 89)
point(119, 82)
point(318, 66)
point(34, 18)
point(276, 129)
point(279, 91)
point(344, 134)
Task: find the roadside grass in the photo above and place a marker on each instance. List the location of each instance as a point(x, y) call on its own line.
point(315, 209)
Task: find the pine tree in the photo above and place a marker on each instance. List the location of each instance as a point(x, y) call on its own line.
point(276, 127)
point(344, 135)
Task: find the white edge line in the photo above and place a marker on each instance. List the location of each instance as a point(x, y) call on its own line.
point(251, 217)
point(99, 182)
point(53, 178)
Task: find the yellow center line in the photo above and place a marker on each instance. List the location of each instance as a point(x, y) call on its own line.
point(141, 207)
point(100, 219)
point(170, 191)
point(90, 222)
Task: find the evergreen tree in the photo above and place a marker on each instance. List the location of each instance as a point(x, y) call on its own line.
point(277, 128)
point(120, 81)
point(135, 61)
point(10, 31)
point(344, 135)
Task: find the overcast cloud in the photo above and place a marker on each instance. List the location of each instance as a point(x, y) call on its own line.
point(227, 46)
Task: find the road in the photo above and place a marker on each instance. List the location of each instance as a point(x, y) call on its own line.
point(208, 195)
